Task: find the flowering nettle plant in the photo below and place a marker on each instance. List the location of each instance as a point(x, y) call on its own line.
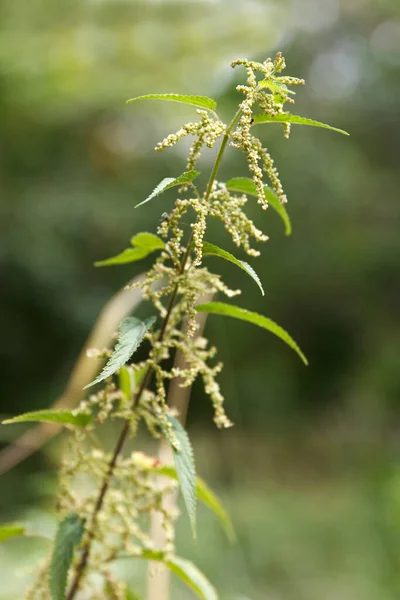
point(105, 500)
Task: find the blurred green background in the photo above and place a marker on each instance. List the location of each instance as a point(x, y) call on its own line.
point(311, 471)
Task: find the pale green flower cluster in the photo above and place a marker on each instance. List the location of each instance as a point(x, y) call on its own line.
point(206, 132)
point(269, 95)
point(123, 526)
point(178, 274)
point(228, 208)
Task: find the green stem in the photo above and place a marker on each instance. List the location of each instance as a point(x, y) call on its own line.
point(218, 159)
point(90, 534)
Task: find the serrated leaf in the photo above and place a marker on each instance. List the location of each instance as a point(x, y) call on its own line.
point(245, 185)
point(296, 119)
point(204, 494)
point(187, 572)
point(212, 250)
point(131, 334)
point(66, 417)
point(143, 245)
point(229, 310)
point(199, 101)
point(68, 536)
point(11, 530)
point(185, 467)
point(168, 183)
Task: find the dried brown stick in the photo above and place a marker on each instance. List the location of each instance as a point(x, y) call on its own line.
point(158, 575)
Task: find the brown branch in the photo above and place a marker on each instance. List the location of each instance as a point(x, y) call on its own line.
point(120, 444)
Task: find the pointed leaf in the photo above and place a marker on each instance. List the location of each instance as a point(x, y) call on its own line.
point(296, 119)
point(67, 417)
point(207, 496)
point(131, 334)
point(212, 250)
point(127, 381)
point(126, 256)
point(11, 530)
point(170, 182)
point(143, 245)
point(193, 577)
point(185, 467)
point(245, 185)
point(199, 101)
point(147, 240)
point(69, 534)
point(187, 572)
point(229, 310)
point(204, 494)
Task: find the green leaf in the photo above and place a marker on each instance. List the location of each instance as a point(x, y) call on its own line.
point(296, 119)
point(127, 381)
point(67, 417)
point(212, 250)
point(245, 185)
point(199, 101)
point(147, 240)
point(229, 310)
point(193, 577)
point(126, 256)
point(187, 572)
point(275, 86)
point(11, 530)
point(205, 495)
point(69, 534)
point(168, 183)
point(143, 245)
point(185, 467)
point(131, 334)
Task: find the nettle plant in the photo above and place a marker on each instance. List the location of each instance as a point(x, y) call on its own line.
point(106, 500)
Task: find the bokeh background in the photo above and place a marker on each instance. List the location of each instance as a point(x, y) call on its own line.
point(311, 471)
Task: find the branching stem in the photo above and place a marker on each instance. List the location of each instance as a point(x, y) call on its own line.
point(90, 533)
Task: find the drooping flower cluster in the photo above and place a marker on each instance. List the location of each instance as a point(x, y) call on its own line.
point(228, 208)
point(177, 274)
point(267, 94)
point(123, 526)
point(206, 132)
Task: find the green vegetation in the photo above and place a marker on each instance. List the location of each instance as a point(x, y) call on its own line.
point(311, 522)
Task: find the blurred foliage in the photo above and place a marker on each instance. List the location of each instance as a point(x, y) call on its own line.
point(75, 159)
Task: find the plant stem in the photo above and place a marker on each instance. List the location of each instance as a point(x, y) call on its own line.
point(220, 153)
point(90, 534)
